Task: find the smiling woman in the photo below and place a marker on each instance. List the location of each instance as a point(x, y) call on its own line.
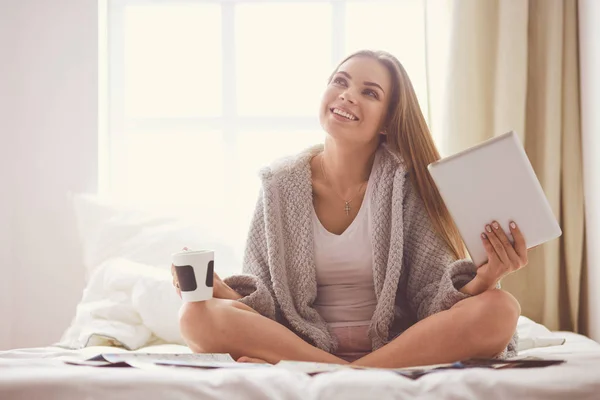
point(351, 255)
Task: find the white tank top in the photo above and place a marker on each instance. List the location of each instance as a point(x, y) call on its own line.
point(344, 267)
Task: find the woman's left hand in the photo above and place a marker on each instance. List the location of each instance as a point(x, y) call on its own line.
point(503, 257)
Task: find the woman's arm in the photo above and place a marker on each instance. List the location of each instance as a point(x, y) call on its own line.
point(475, 287)
point(223, 290)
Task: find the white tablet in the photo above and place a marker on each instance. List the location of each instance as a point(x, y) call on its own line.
point(494, 181)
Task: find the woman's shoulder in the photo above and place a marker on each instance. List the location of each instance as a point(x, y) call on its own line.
point(290, 164)
point(389, 164)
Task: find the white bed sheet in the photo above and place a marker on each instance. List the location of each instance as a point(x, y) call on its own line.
point(40, 373)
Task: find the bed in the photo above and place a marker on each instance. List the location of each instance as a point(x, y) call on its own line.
point(40, 373)
point(129, 305)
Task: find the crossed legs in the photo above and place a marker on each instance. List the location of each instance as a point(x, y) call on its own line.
point(480, 326)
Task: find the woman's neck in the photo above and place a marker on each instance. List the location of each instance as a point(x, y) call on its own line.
point(347, 167)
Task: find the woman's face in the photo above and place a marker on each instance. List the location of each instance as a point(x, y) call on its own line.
point(354, 105)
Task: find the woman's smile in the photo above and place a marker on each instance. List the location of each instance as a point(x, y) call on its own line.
point(343, 115)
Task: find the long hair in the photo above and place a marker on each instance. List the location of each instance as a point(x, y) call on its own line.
point(409, 136)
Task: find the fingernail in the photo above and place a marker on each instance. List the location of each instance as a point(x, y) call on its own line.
point(513, 225)
point(487, 228)
point(483, 235)
point(495, 224)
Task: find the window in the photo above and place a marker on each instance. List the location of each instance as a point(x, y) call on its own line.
point(201, 94)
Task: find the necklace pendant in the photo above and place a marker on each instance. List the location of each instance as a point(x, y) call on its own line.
point(347, 208)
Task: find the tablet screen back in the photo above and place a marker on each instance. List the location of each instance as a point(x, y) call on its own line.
point(494, 181)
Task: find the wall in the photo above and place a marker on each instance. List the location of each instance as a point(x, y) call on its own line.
point(6, 197)
point(589, 51)
point(49, 132)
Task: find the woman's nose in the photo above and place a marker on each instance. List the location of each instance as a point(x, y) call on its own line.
point(347, 96)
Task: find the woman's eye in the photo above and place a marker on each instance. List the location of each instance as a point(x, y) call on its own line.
point(372, 93)
point(339, 80)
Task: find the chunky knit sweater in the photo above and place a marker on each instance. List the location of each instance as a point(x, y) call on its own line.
point(415, 273)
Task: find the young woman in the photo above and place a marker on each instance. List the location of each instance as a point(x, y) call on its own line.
point(352, 256)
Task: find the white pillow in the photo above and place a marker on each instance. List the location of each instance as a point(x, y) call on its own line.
point(111, 229)
point(129, 300)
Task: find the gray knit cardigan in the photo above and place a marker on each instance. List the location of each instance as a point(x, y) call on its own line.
point(414, 272)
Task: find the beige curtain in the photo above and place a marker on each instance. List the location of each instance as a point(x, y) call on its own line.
point(513, 65)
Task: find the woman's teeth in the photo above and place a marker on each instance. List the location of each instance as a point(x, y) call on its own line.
point(344, 114)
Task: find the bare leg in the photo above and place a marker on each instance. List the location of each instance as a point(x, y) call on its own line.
point(228, 326)
point(480, 326)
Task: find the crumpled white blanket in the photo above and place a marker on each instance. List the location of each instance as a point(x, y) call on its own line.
point(532, 335)
point(125, 304)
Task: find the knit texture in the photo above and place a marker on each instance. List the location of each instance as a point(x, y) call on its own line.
point(414, 272)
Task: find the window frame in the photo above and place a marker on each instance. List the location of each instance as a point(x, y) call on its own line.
point(230, 123)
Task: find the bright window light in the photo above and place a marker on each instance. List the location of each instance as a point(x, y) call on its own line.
point(202, 94)
point(169, 68)
point(282, 64)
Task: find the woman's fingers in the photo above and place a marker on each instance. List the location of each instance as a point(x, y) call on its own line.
point(175, 280)
point(497, 244)
point(173, 274)
point(520, 244)
point(513, 257)
point(489, 249)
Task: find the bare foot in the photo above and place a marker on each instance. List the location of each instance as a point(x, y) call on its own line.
point(245, 359)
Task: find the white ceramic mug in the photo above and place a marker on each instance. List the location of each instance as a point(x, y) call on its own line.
point(195, 271)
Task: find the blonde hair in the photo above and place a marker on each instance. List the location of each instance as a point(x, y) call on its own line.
point(409, 136)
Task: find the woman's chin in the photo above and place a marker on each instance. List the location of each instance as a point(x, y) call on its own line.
point(348, 137)
point(343, 136)
point(336, 133)
point(342, 128)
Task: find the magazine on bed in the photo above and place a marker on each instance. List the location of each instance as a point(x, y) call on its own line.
point(313, 368)
point(147, 360)
point(224, 360)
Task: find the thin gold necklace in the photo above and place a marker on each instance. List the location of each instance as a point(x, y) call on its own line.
point(346, 202)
